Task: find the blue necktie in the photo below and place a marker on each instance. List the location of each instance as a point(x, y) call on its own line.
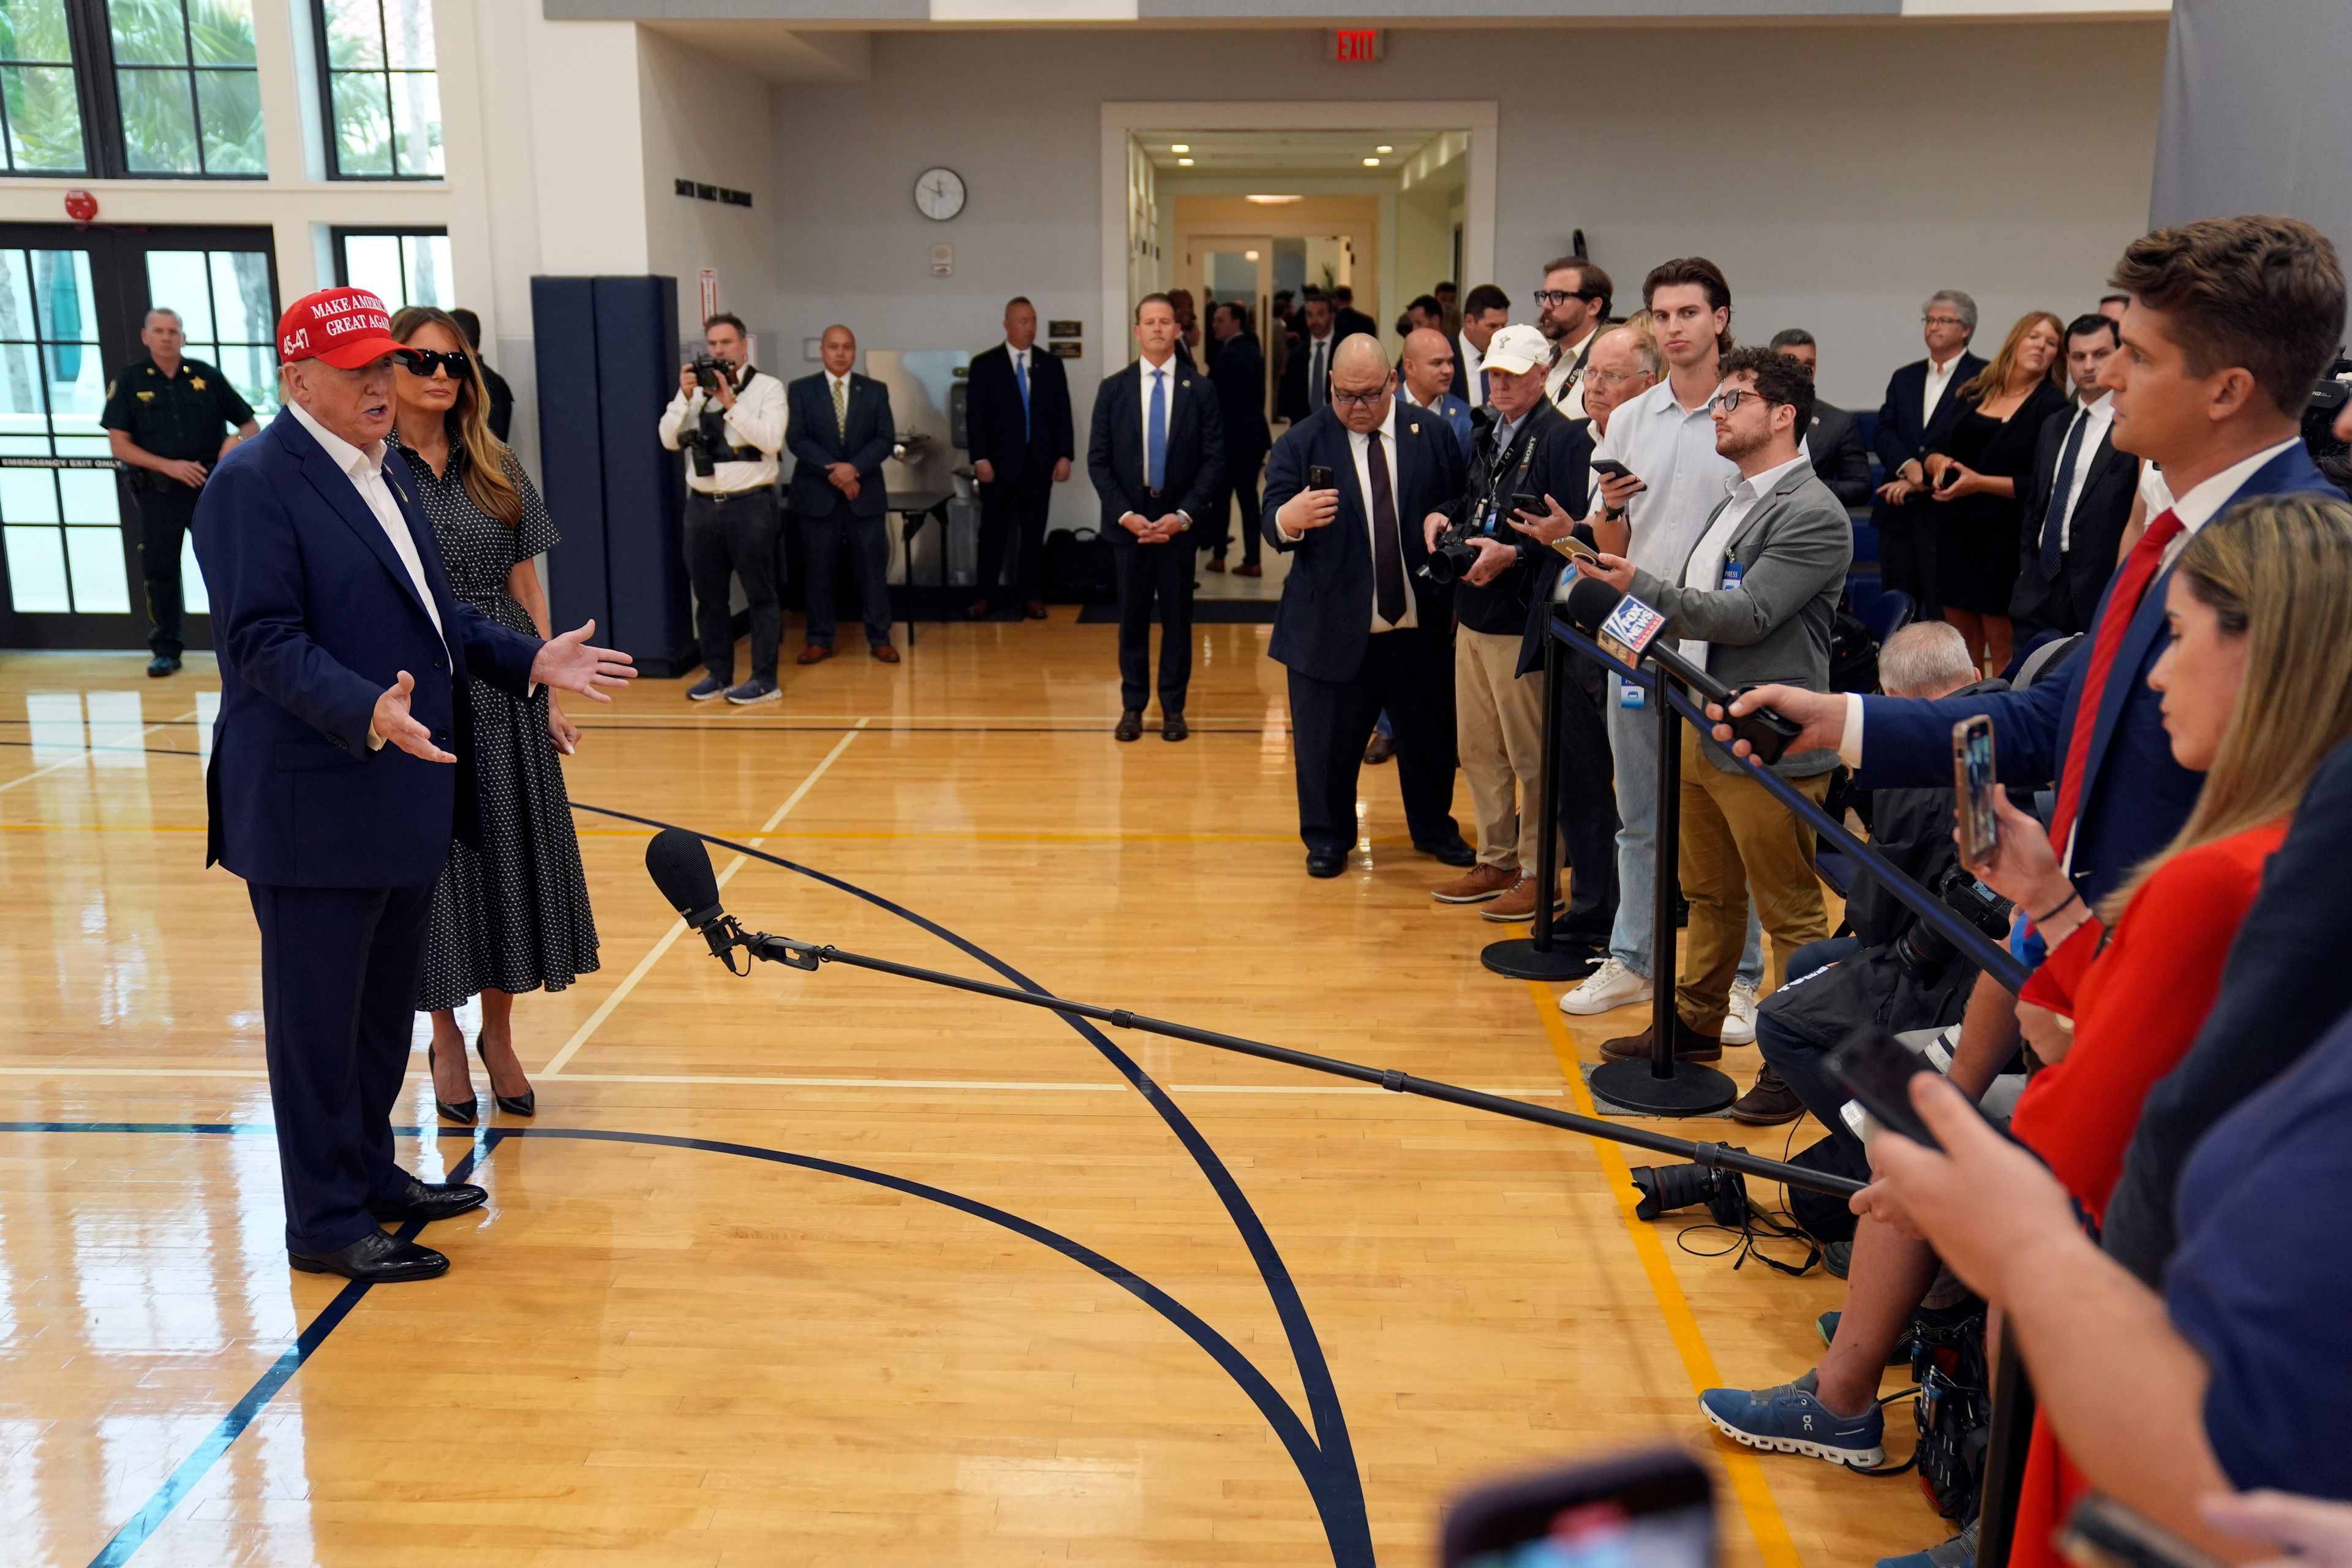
point(2061, 485)
point(1021, 374)
point(1155, 438)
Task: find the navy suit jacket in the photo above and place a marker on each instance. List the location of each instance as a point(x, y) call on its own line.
point(1196, 449)
point(1325, 619)
point(1902, 435)
point(993, 415)
point(816, 440)
point(2133, 797)
point(314, 616)
point(1239, 375)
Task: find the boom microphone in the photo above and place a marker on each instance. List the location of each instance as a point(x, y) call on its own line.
point(1629, 628)
point(680, 867)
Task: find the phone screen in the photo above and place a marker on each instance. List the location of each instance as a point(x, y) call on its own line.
point(1602, 1534)
point(1973, 783)
point(1647, 1509)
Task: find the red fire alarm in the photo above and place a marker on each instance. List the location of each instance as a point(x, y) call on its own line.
point(80, 205)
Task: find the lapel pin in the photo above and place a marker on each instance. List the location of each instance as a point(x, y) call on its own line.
point(1416, 426)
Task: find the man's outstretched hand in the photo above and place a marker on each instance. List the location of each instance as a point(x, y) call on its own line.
point(395, 726)
point(569, 663)
point(1823, 713)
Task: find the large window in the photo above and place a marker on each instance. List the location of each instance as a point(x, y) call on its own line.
point(61, 522)
point(39, 101)
point(383, 100)
point(404, 267)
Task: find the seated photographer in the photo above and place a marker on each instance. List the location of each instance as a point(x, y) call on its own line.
point(1895, 970)
point(1530, 450)
point(1753, 602)
point(2235, 1376)
point(729, 419)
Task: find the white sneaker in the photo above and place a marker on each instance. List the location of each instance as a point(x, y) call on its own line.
point(1739, 1018)
point(1610, 986)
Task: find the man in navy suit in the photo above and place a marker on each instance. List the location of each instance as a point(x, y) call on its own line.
point(340, 766)
point(1239, 372)
point(1922, 402)
point(839, 430)
point(2231, 321)
point(1359, 627)
point(1017, 429)
point(1157, 455)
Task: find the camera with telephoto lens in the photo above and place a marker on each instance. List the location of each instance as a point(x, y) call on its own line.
point(1666, 1188)
point(1923, 950)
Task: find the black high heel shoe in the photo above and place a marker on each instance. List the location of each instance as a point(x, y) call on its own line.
point(523, 1104)
point(464, 1112)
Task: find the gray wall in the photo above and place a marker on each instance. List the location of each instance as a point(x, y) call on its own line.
point(1838, 173)
point(2256, 118)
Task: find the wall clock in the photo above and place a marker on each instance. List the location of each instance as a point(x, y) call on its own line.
point(939, 194)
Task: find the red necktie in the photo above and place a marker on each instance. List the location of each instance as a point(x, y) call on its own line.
point(2122, 603)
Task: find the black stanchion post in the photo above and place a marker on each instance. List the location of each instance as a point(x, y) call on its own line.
point(2004, 1471)
point(1533, 956)
point(1662, 1086)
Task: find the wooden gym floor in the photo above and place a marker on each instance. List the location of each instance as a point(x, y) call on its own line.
point(833, 1268)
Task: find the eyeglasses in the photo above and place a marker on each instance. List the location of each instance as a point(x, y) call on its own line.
point(1361, 399)
point(1730, 398)
point(1608, 377)
point(422, 363)
point(1941, 321)
point(1546, 298)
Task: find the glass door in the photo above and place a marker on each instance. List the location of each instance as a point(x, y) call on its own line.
point(72, 302)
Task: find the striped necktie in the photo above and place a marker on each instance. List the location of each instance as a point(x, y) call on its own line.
point(841, 407)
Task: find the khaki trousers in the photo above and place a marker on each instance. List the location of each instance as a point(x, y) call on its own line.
point(1738, 844)
point(1498, 729)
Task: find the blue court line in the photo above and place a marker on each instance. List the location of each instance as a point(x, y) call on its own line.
point(141, 1526)
point(1331, 1476)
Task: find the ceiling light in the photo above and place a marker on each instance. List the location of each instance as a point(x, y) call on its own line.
point(1180, 146)
point(1273, 200)
point(1383, 147)
point(1371, 163)
point(1184, 162)
point(1249, 256)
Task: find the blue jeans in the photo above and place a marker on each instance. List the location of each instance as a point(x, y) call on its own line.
point(1634, 745)
point(1799, 1060)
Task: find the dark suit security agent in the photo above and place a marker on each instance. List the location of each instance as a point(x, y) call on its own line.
point(2079, 500)
point(1157, 457)
point(339, 765)
point(840, 429)
point(1017, 429)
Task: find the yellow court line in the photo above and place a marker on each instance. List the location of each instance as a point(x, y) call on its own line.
point(1744, 1470)
point(594, 1020)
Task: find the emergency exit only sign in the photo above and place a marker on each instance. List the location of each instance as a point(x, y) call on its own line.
point(1358, 46)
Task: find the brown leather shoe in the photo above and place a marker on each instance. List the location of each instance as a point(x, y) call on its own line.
point(1690, 1045)
point(977, 608)
point(886, 654)
point(1379, 749)
point(1519, 902)
point(1216, 562)
point(1769, 1103)
point(1035, 610)
point(813, 653)
point(1246, 570)
point(1476, 885)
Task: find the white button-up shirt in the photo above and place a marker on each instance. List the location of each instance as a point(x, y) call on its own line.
point(364, 466)
point(1569, 399)
point(1939, 376)
point(1671, 449)
point(1704, 571)
point(2096, 421)
point(1473, 359)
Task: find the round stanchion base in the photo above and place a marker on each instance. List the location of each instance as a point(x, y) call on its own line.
point(1519, 958)
point(1694, 1091)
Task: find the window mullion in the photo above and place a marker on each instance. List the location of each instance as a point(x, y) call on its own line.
point(94, 84)
point(196, 93)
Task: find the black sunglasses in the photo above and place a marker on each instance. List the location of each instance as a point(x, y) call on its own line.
point(422, 362)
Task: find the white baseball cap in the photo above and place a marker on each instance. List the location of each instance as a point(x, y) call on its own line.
point(1515, 350)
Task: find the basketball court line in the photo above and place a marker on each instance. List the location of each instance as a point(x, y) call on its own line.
point(89, 751)
point(1741, 1465)
point(620, 993)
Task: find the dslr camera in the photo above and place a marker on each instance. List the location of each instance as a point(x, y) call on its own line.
point(1453, 556)
point(707, 445)
point(1924, 951)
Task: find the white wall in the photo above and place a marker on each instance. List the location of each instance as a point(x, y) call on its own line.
point(700, 121)
point(1853, 185)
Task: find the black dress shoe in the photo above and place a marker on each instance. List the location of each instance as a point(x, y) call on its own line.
point(1174, 728)
point(1130, 726)
point(430, 1201)
point(464, 1112)
point(1457, 853)
point(1324, 862)
point(523, 1104)
point(161, 665)
point(375, 1258)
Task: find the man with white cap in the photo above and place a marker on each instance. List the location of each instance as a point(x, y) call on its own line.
point(340, 770)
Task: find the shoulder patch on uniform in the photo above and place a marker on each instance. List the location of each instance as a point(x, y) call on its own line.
point(111, 386)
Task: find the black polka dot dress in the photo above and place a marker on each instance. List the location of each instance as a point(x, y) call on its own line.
point(512, 916)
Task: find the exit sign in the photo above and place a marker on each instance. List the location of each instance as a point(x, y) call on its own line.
point(1358, 46)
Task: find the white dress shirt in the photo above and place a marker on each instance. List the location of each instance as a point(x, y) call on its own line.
point(1671, 450)
point(1143, 369)
point(365, 470)
point(1569, 398)
point(2194, 510)
point(1939, 376)
point(757, 420)
point(2096, 420)
point(1473, 359)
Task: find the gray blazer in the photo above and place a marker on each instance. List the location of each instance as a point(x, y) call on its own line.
point(1793, 549)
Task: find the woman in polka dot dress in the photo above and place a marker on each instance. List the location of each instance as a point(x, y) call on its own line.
point(512, 914)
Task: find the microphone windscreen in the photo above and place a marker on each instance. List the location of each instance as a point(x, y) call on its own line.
point(1590, 600)
point(680, 867)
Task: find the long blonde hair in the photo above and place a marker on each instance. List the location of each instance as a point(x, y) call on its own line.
point(1994, 380)
point(487, 484)
point(2277, 571)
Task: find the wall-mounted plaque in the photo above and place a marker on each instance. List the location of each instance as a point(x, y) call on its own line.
point(1066, 348)
point(1066, 329)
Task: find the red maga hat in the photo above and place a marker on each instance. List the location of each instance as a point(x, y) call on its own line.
point(345, 327)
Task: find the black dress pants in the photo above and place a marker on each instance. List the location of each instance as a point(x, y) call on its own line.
point(1149, 572)
point(163, 519)
point(1587, 804)
point(1411, 675)
point(339, 969)
point(1013, 523)
point(1242, 487)
point(867, 540)
point(1906, 559)
point(734, 536)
